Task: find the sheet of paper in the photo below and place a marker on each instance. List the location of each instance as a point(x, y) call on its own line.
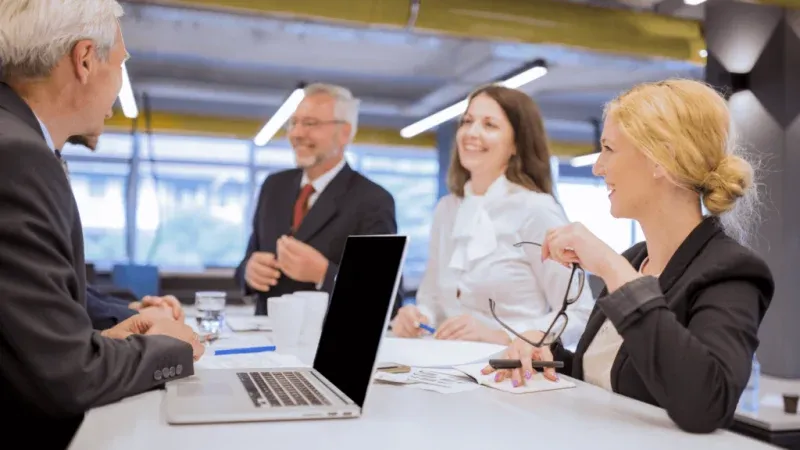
point(249, 323)
point(434, 353)
point(442, 381)
point(537, 383)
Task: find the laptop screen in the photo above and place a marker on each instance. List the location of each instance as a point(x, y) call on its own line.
point(357, 317)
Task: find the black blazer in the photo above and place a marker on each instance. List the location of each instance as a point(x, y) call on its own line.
point(53, 365)
point(688, 336)
point(350, 205)
point(105, 310)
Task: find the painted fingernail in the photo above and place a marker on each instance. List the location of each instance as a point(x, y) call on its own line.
point(528, 374)
point(557, 378)
point(497, 377)
point(515, 383)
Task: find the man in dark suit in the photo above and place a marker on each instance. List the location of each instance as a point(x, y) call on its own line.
point(53, 365)
point(305, 215)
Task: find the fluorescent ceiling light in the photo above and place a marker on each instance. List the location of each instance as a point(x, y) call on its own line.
point(279, 118)
point(437, 118)
point(693, 2)
point(126, 98)
point(584, 160)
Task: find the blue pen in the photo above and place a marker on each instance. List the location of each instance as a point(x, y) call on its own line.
point(239, 351)
point(428, 328)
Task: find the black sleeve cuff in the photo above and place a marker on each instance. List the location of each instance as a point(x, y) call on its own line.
point(330, 277)
point(631, 300)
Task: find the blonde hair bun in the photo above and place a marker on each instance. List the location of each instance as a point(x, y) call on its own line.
point(726, 184)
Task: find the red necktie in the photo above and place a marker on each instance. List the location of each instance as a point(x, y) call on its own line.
point(301, 205)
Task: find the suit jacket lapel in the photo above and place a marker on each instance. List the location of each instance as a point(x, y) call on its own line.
point(326, 206)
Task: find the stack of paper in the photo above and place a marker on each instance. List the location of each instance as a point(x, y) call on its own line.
point(438, 380)
point(432, 353)
point(466, 357)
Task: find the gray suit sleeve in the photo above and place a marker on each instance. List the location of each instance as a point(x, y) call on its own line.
point(49, 353)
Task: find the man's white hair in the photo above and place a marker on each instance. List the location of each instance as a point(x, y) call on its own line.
point(36, 34)
point(346, 108)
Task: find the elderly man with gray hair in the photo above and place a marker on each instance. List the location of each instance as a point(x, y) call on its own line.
point(61, 67)
point(305, 215)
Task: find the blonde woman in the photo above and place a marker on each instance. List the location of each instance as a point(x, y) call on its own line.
point(677, 325)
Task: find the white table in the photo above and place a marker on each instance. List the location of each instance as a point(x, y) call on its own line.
point(397, 417)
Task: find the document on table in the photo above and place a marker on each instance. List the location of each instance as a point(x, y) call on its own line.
point(434, 353)
point(442, 381)
point(537, 383)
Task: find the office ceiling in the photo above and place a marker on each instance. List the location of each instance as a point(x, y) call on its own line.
point(189, 59)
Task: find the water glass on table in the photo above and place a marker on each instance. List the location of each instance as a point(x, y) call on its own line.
point(210, 307)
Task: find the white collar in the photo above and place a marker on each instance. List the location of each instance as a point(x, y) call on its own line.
point(323, 180)
point(473, 231)
point(46, 133)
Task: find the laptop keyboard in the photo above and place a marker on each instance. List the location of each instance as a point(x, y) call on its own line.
point(280, 389)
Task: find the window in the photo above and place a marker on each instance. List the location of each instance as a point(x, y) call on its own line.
point(586, 201)
point(411, 176)
point(193, 149)
point(99, 190)
point(195, 217)
point(99, 181)
point(279, 156)
point(110, 146)
point(195, 196)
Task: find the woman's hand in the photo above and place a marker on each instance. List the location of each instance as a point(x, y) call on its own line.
point(407, 322)
point(526, 353)
point(575, 244)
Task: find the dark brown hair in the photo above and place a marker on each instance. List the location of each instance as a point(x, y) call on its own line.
point(530, 165)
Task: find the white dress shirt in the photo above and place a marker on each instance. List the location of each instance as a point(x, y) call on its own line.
point(472, 258)
point(321, 182)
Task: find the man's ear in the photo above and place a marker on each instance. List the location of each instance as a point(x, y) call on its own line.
point(344, 135)
point(82, 58)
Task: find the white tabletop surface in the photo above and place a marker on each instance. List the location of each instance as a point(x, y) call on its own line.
point(398, 417)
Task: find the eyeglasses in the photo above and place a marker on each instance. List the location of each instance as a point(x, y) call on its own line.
point(559, 323)
point(309, 123)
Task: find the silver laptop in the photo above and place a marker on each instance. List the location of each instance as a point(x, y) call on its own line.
point(337, 385)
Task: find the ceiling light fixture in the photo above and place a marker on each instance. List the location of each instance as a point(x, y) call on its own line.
point(280, 117)
point(531, 73)
point(126, 98)
point(693, 2)
point(584, 160)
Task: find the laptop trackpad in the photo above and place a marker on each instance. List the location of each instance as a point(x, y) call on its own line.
point(204, 389)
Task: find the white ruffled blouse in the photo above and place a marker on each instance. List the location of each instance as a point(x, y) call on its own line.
point(472, 258)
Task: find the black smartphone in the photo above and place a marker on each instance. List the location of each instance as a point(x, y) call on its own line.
point(515, 364)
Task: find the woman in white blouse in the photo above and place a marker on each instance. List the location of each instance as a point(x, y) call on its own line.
point(501, 194)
